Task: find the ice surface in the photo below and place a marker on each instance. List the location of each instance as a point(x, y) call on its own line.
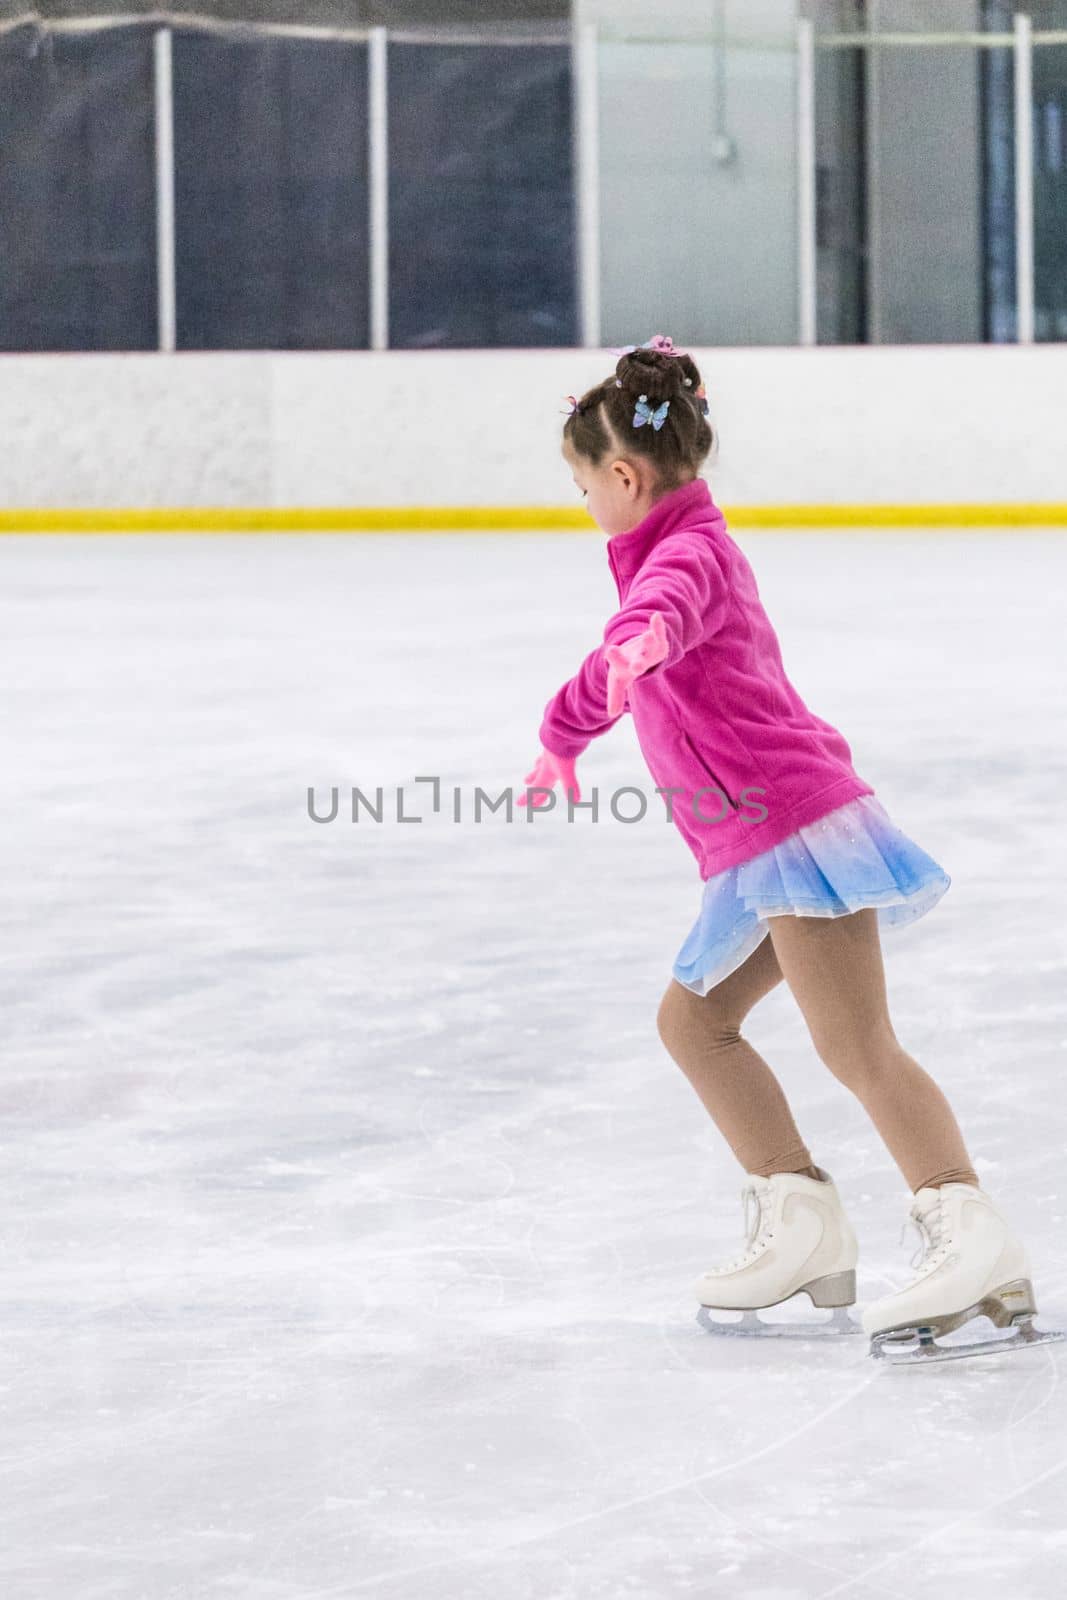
point(350, 1203)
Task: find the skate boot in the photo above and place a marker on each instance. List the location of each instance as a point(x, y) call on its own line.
point(799, 1239)
point(971, 1264)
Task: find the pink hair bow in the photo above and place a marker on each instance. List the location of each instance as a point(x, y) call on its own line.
point(659, 341)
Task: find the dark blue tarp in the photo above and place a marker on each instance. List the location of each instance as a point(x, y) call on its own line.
point(77, 191)
point(271, 192)
point(481, 196)
point(270, 140)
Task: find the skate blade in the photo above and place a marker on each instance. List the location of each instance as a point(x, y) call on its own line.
point(750, 1322)
point(915, 1347)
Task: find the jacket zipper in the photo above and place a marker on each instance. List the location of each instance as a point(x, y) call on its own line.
point(716, 781)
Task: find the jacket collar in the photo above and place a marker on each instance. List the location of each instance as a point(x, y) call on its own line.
point(627, 551)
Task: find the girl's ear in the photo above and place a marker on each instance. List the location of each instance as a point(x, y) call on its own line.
point(630, 477)
point(624, 473)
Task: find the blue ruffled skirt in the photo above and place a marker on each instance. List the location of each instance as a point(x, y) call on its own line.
point(851, 858)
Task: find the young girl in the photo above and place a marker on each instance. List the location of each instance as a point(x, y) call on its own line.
point(801, 868)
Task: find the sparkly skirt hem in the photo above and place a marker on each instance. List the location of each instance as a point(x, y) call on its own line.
point(853, 859)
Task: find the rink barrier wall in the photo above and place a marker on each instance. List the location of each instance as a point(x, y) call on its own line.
point(504, 519)
point(835, 436)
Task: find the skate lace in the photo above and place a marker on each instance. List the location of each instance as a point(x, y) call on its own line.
point(932, 1241)
point(751, 1194)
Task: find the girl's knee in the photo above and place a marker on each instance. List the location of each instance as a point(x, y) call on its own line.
point(672, 1009)
point(861, 1056)
point(682, 1014)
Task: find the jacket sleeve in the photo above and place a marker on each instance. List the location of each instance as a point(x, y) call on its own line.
point(578, 712)
point(680, 580)
point(683, 581)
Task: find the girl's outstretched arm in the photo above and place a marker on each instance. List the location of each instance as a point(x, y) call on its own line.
point(578, 712)
point(633, 659)
point(682, 581)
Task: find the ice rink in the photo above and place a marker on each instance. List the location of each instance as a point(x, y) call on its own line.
point(350, 1201)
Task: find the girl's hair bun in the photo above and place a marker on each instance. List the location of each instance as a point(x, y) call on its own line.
point(650, 372)
point(603, 419)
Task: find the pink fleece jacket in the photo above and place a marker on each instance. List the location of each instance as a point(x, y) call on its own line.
point(719, 724)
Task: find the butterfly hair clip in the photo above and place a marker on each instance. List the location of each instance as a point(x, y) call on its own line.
point(644, 413)
point(573, 405)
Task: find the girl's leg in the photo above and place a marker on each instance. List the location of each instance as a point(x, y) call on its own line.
point(739, 1090)
point(833, 966)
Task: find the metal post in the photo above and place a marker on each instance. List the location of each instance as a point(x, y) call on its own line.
point(807, 283)
point(166, 270)
point(587, 167)
point(1024, 179)
point(379, 189)
point(874, 223)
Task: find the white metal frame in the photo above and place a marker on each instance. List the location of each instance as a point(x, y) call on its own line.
point(1024, 179)
point(166, 264)
point(585, 78)
point(807, 255)
point(378, 110)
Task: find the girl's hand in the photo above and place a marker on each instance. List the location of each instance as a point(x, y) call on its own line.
point(627, 661)
point(547, 770)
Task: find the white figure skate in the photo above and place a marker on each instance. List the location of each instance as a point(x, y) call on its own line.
point(800, 1240)
point(971, 1265)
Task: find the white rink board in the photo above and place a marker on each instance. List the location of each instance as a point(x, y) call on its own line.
point(847, 425)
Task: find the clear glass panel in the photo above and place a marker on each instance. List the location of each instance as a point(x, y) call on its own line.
point(930, 17)
point(924, 196)
point(699, 177)
point(901, 193)
point(916, 170)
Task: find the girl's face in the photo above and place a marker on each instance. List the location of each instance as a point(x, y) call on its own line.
point(619, 493)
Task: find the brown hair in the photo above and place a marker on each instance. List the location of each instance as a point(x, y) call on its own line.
point(679, 448)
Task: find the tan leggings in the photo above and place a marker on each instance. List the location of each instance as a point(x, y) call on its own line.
point(833, 966)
